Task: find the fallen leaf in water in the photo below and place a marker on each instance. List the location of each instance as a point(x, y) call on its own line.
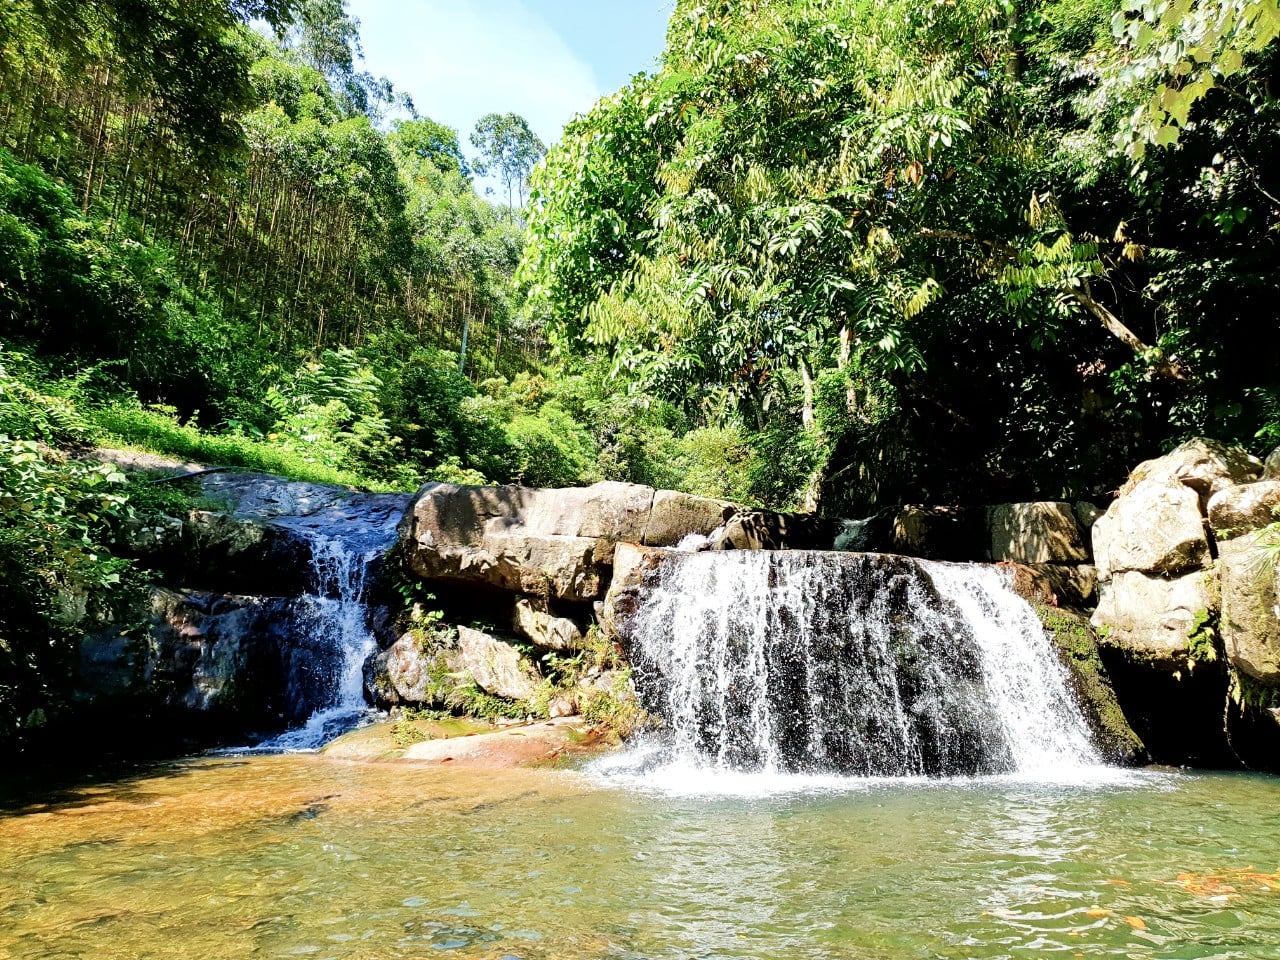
point(1097, 912)
point(1123, 883)
point(1136, 922)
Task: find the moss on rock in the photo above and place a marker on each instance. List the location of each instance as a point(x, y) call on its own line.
point(1077, 647)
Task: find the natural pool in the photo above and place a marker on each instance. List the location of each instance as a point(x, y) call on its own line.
point(287, 856)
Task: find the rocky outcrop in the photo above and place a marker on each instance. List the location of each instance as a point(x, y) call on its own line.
point(762, 530)
point(258, 531)
point(189, 653)
point(548, 543)
point(1271, 466)
point(1150, 615)
point(940, 533)
point(1154, 552)
point(1155, 528)
point(1077, 645)
point(403, 673)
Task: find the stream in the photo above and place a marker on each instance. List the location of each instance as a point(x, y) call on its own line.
point(299, 855)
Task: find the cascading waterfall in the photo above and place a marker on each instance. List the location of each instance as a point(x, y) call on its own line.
point(811, 662)
point(324, 671)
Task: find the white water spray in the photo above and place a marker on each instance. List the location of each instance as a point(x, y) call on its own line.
point(813, 664)
point(334, 620)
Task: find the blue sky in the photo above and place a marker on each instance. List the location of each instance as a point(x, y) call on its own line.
point(543, 59)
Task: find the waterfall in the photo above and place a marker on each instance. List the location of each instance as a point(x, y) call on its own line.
point(813, 662)
point(332, 641)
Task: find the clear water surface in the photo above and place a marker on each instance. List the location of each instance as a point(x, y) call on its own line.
point(303, 856)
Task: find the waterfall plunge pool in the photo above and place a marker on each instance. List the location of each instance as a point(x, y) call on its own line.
point(288, 856)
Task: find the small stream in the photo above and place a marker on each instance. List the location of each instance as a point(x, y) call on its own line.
point(289, 856)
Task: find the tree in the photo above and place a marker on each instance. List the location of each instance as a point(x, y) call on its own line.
point(1181, 51)
point(508, 149)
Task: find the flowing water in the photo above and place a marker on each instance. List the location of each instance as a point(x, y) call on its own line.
point(288, 856)
point(326, 673)
point(812, 662)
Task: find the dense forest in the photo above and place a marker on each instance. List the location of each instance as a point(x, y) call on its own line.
point(826, 257)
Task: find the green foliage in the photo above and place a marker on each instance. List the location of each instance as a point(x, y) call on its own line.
point(1180, 51)
point(1202, 639)
point(157, 430)
point(404, 733)
point(896, 248)
point(56, 572)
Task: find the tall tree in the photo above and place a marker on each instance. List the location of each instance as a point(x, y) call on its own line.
point(509, 150)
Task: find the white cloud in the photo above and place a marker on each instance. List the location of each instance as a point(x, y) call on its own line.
point(461, 59)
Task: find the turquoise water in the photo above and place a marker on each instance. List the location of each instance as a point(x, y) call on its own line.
point(305, 856)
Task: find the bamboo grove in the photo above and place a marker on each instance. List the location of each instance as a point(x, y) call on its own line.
point(283, 205)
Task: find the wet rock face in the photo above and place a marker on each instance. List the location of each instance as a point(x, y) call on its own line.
point(838, 662)
point(259, 538)
point(549, 543)
point(196, 654)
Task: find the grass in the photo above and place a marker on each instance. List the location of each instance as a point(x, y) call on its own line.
point(156, 432)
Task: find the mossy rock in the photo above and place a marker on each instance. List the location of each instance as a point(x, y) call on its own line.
point(1077, 647)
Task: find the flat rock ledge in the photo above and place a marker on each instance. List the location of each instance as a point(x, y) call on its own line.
point(539, 743)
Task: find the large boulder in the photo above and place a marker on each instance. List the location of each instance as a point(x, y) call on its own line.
point(1206, 466)
point(1073, 585)
point(1236, 511)
point(402, 673)
point(496, 667)
point(1251, 608)
point(762, 530)
point(549, 543)
point(676, 515)
point(1044, 532)
point(1151, 616)
point(535, 622)
point(1155, 528)
point(940, 533)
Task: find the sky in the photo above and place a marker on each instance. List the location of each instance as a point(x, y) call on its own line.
point(543, 59)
